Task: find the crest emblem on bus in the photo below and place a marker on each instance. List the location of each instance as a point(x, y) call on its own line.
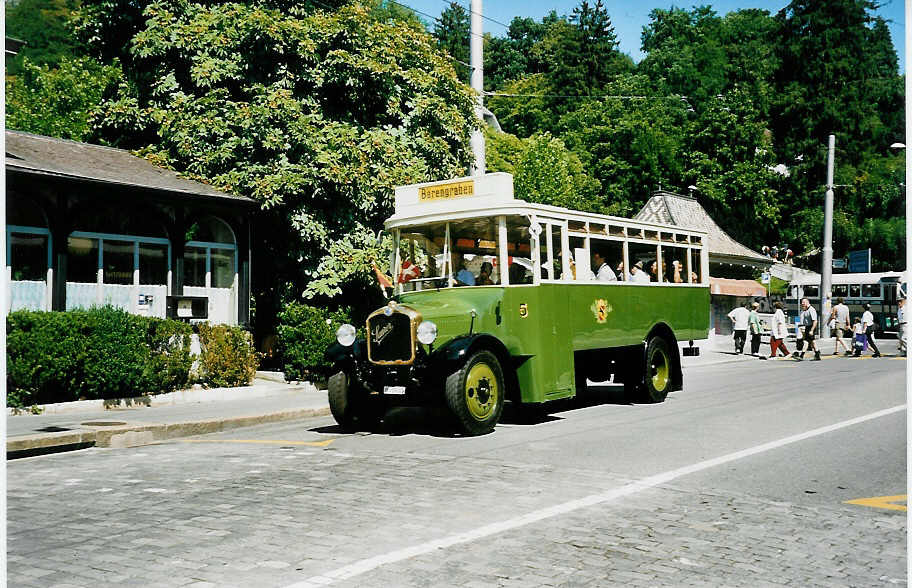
point(600, 308)
point(523, 310)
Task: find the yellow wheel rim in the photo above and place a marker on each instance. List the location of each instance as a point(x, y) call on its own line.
point(481, 391)
point(659, 370)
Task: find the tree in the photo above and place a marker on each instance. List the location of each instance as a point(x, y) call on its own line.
point(43, 25)
point(315, 115)
point(452, 34)
point(548, 173)
point(59, 102)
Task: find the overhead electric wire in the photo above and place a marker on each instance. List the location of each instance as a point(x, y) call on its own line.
point(470, 11)
point(428, 15)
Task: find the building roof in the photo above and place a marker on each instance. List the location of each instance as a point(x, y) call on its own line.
point(47, 156)
point(686, 212)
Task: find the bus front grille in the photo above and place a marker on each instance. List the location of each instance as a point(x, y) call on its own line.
point(390, 339)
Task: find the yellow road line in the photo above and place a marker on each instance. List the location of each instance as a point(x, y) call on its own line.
point(262, 442)
point(885, 502)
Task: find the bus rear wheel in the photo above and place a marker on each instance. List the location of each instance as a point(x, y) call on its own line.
point(475, 393)
point(658, 376)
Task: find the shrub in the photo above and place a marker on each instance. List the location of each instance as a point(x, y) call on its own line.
point(228, 357)
point(304, 334)
point(169, 344)
point(88, 354)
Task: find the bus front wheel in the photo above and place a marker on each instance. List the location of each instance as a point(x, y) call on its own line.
point(475, 393)
point(348, 403)
point(658, 376)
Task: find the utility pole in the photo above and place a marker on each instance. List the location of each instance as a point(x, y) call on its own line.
point(826, 270)
point(476, 61)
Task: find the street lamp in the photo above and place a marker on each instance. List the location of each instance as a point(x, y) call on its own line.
point(898, 146)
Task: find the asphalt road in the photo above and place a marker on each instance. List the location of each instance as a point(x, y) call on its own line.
point(743, 478)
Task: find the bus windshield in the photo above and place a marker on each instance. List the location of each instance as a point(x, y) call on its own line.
point(483, 251)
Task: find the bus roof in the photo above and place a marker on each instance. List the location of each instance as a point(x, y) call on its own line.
point(859, 278)
point(492, 195)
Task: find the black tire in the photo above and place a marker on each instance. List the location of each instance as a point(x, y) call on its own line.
point(348, 403)
point(475, 393)
point(658, 371)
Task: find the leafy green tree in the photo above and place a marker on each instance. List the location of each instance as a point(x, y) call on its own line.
point(632, 145)
point(58, 102)
point(452, 34)
point(43, 25)
point(315, 115)
point(549, 173)
point(519, 53)
point(524, 107)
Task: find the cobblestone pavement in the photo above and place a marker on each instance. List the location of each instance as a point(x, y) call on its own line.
point(233, 514)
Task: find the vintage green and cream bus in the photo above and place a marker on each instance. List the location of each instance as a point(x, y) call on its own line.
point(499, 299)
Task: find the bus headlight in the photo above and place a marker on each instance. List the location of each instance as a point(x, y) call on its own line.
point(345, 335)
point(427, 332)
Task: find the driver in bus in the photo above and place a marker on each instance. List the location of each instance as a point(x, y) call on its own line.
point(463, 276)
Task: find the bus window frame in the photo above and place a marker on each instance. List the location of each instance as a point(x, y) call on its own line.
point(617, 231)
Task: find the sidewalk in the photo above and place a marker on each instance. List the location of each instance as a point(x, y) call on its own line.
point(79, 425)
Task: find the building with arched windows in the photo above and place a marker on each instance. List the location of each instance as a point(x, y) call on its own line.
point(88, 225)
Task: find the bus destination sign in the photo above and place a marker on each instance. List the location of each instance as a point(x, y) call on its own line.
point(446, 191)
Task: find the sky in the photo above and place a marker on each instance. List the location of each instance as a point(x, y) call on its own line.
point(629, 17)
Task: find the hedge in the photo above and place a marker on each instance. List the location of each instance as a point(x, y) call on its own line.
point(304, 333)
point(109, 353)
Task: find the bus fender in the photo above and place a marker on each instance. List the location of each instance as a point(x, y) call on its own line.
point(664, 331)
point(339, 355)
point(449, 357)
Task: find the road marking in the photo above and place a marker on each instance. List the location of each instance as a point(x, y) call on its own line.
point(366, 565)
point(262, 442)
point(886, 502)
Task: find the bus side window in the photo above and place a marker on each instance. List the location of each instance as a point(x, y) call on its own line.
point(840, 290)
point(854, 291)
point(870, 291)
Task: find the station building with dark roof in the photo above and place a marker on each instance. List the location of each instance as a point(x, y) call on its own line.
point(88, 225)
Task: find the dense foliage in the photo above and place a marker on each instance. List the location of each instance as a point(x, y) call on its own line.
point(738, 106)
point(90, 354)
point(304, 334)
point(109, 353)
point(227, 357)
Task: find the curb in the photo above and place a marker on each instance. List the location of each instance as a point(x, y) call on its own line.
point(127, 435)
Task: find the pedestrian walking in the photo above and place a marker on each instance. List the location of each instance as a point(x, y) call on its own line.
point(809, 329)
point(779, 332)
point(840, 318)
point(739, 318)
point(753, 324)
point(867, 321)
point(901, 323)
point(859, 341)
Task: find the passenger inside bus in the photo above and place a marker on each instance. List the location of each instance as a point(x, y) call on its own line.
point(601, 268)
point(463, 276)
point(484, 275)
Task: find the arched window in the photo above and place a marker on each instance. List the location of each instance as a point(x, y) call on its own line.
point(211, 249)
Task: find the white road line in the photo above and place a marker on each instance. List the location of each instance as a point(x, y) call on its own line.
point(366, 565)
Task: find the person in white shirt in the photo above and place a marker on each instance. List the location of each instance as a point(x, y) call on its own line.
point(867, 321)
point(840, 317)
point(637, 274)
point(603, 271)
point(809, 329)
point(779, 332)
point(739, 318)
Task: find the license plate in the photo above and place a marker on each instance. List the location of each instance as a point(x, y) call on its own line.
point(394, 389)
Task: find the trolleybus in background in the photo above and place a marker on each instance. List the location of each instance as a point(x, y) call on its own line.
point(533, 331)
point(880, 290)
